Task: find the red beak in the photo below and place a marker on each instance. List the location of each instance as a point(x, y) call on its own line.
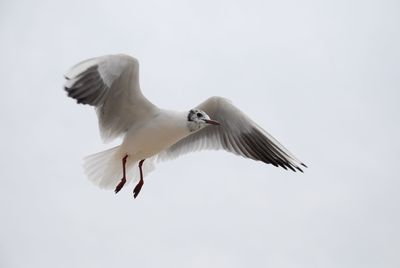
point(212, 122)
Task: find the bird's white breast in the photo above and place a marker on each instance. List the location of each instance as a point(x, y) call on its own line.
point(153, 136)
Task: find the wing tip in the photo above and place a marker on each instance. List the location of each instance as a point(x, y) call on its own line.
point(77, 99)
point(299, 169)
point(292, 166)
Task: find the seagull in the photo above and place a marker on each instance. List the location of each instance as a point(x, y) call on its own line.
point(111, 85)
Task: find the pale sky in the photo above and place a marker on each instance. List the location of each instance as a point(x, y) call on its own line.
point(321, 76)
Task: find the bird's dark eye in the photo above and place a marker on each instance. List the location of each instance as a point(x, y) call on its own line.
point(199, 115)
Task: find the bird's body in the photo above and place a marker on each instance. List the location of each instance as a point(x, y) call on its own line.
point(111, 85)
point(148, 138)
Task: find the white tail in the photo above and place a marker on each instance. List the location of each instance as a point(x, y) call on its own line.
point(104, 169)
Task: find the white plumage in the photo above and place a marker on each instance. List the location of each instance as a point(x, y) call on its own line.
point(111, 84)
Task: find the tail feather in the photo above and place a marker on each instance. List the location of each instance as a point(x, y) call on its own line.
point(104, 169)
point(101, 168)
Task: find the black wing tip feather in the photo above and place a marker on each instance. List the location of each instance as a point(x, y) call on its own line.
point(70, 93)
point(261, 149)
point(86, 87)
point(299, 169)
point(78, 100)
point(290, 166)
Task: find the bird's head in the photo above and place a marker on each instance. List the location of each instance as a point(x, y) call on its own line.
point(197, 119)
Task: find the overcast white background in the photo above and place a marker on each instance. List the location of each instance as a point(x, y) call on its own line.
point(321, 76)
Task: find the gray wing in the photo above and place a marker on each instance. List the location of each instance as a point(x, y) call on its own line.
point(110, 84)
point(237, 134)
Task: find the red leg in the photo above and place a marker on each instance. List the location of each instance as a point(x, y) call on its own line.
point(138, 187)
point(123, 180)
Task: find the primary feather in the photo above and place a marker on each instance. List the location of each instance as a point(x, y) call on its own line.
point(111, 85)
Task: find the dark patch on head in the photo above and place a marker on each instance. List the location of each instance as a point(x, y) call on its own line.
point(190, 115)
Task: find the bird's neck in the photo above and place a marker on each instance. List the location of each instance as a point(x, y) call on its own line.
point(176, 120)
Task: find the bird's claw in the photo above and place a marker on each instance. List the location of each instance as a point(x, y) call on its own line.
point(120, 185)
point(137, 189)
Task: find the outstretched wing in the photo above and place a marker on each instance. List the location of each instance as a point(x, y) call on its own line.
point(110, 84)
point(237, 134)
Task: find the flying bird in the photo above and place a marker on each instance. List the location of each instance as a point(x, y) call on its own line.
point(150, 134)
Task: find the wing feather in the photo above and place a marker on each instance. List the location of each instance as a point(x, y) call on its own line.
point(237, 134)
point(110, 84)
